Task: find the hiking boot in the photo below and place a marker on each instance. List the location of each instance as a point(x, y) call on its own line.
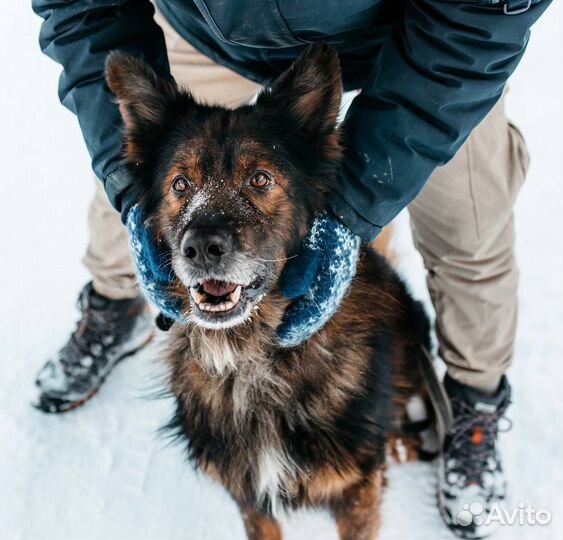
point(107, 332)
point(471, 480)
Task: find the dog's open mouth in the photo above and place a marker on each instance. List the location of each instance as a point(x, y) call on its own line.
point(217, 296)
point(217, 304)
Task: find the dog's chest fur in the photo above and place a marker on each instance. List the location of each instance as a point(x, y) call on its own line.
point(236, 397)
point(265, 424)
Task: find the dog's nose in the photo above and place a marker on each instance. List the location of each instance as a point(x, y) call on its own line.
point(205, 246)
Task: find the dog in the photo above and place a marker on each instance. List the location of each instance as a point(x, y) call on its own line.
point(231, 193)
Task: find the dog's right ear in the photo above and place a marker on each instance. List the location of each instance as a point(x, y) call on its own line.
point(143, 98)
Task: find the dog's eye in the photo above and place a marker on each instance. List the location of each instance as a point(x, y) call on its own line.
point(180, 184)
point(260, 180)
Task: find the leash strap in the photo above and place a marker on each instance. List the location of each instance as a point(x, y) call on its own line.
point(438, 397)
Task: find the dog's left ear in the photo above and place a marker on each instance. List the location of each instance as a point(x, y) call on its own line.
point(143, 98)
point(310, 90)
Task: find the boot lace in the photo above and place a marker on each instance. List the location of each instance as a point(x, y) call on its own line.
point(473, 439)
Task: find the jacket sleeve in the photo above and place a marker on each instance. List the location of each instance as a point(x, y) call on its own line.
point(79, 34)
point(438, 74)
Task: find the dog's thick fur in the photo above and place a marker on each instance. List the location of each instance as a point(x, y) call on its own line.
point(277, 427)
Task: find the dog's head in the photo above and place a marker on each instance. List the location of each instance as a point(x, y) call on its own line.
point(231, 191)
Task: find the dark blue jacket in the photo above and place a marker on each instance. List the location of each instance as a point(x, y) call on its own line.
point(429, 71)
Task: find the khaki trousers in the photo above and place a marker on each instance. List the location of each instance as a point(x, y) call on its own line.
point(462, 224)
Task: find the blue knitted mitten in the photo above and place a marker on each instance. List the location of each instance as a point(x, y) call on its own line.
point(153, 264)
point(317, 279)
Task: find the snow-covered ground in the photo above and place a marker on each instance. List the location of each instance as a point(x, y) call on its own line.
point(102, 472)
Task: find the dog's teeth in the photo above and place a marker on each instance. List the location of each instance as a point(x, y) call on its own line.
point(234, 297)
point(223, 306)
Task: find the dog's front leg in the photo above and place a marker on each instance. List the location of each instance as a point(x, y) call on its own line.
point(357, 510)
point(259, 526)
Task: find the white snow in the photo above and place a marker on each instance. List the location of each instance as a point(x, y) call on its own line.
point(102, 472)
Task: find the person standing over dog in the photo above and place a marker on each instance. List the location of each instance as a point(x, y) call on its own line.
point(427, 131)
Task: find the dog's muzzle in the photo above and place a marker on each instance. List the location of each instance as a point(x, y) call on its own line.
point(224, 283)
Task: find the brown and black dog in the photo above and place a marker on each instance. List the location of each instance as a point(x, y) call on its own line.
point(231, 193)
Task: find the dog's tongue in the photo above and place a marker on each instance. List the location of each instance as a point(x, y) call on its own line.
point(218, 288)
